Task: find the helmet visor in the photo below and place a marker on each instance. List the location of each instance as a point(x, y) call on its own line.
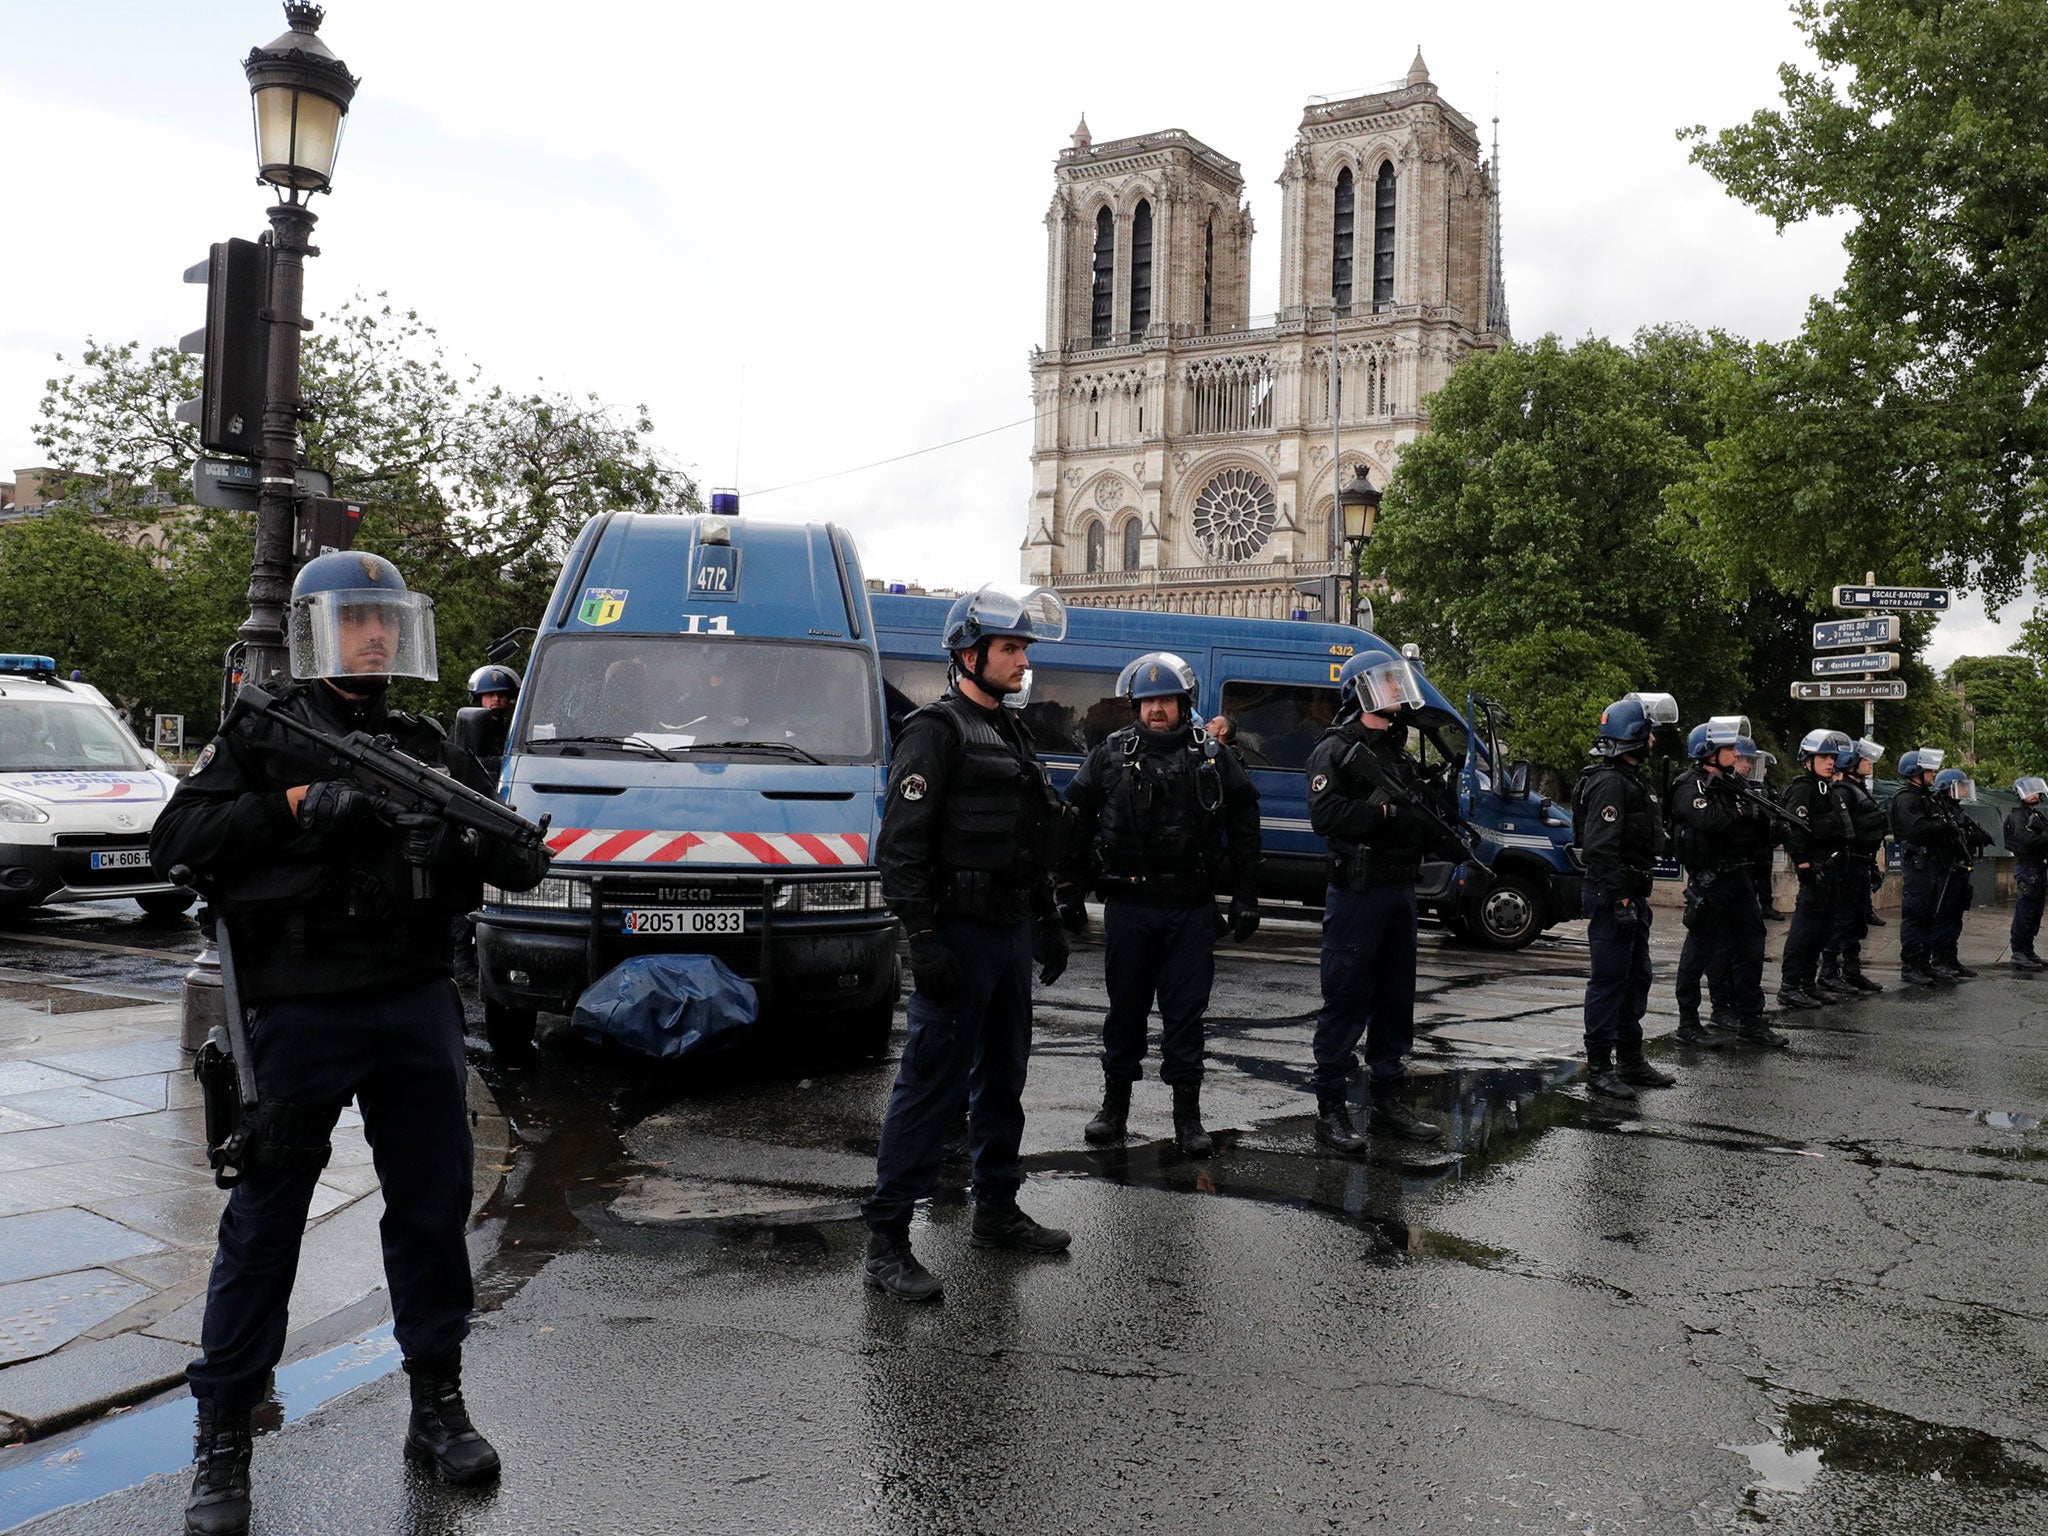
point(1759, 766)
point(1658, 708)
point(1727, 730)
point(1389, 686)
point(1931, 759)
point(1036, 612)
point(1157, 675)
point(1870, 751)
point(363, 632)
point(2030, 786)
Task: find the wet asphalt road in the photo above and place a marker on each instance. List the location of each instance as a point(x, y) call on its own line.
point(1803, 1292)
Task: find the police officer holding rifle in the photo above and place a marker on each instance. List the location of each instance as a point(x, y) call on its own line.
point(1930, 847)
point(1817, 841)
point(1952, 897)
point(335, 837)
point(1841, 961)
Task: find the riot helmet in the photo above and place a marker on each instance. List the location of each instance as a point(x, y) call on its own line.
point(1706, 740)
point(1375, 683)
point(1869, 751)
point(1824, 743)
point(352, 616)
point(1160, 675)
point(1759, 761)
point(1696, 746)
point(1628, 724)
point(2029, 787)
point(493, 679)
point(1952, 782)
point(995, 612)
point(1921, 760)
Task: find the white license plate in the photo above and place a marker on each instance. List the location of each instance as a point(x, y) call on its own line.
point(684, 920)
point(126, 858)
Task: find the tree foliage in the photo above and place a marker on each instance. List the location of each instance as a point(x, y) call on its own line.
point(474, 490)
point(1902, 430)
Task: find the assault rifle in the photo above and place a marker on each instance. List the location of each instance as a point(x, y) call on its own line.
point(224, 1066)
point(1361, 760)
point(1743, 790)
point(402, 785)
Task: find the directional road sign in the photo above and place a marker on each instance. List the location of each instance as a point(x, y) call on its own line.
point(1916, 598)
point(230, 485)
point(1855, 663)
point(1814, 692)
point(1843, 634)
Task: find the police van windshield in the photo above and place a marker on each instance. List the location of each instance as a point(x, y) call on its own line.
point(36, 737)
point(695, 697)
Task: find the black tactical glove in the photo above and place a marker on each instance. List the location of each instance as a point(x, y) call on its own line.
point(932, 968)
point(1626, 918)
point(1244, 917)
point(1049, 948)
point(1073, 909)
point(334, 804)
point(428, 839)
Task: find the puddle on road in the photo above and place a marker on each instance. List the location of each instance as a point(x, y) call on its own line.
point(1815, 1436)
point(2007, 1120)
point(129, 1448)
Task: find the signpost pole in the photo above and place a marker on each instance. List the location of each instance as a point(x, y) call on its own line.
point(1869, 705)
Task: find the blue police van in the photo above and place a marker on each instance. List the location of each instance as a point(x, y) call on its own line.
point(702, 724)
point(1276, 680)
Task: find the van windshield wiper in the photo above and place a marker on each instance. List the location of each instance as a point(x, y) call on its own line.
point(604, 741)
point(756, 746)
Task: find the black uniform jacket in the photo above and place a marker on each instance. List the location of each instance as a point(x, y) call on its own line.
point(1866, 818)
point(1355, 818)
point(1614, 818)
point(1161, 816)
point(1717, 826)
point(321, 913)
point(1920, 823)
point(971, 825)
point(2026, 833)
point(1822, 824)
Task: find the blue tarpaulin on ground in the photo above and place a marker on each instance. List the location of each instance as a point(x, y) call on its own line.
point(667, 1006)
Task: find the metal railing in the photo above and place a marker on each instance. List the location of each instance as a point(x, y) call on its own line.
point(1196, 575)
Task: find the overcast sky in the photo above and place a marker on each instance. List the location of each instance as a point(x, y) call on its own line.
point(810, 236)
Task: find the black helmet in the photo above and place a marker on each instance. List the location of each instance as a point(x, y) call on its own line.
point(351, 615)
point(492, 679)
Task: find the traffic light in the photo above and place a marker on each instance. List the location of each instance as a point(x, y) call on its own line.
point(324, 523)
point(235, 344)
point(1325, 590)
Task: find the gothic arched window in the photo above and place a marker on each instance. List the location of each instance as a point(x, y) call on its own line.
point(1341, 240)
point(1131, 536)
point(1209, 273)
point(1097, 545)
point(1383, 237)
point(1099, 318)
point(1141, 269)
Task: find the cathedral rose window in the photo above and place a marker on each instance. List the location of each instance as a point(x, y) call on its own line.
point(1234, 515)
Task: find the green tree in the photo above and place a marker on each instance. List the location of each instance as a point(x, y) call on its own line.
point(1902, 430)
point(2004, 715)
point(475, 491)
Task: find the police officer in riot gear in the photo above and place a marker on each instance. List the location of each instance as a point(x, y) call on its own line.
point(1841, 962)
point(1361, 784)
point(339, 918)
point(968, 853)
point(1952, 897)
point(1719, 828)
point(1817, 841)
point(2026, 839)
point(1930, 848)
point(482, 728)
point(1615, 821)
point(1165, 814)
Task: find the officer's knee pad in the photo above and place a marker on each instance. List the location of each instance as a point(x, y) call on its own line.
point(289, 1137)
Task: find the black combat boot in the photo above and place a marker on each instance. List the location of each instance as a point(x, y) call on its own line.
point(1829, 986)
point(219, 1505)
point(1914, 971)
point(1754, 1031)
point(891, 1266)
point(1390, 1113)
point(1188, 1134)
point(440, 1433)
point(1333, 1123)
point(1795, 995)
point(1637, 1070)
point(1723, 1017)
point(2027, 960)
point(1601, 1078)
point(1952, 963)
point(1852, 973)
point(1112, 1120)
point(1003, 1225)
point(1693, 1033)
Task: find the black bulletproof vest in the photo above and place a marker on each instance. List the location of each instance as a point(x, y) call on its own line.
point(997, 822)
point(1160, 827)
point(1642, 829)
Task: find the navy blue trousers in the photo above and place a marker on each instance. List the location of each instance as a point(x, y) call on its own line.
point(1618, 981)
point(1917, 899)
point(399, 1055)
point(1724, 941)
point(1813, 920)
point(1368, 984)
point(1163, 952)
point(972, 1050)
point(2030, 884)
point(1851, 923)
point(1952, 899)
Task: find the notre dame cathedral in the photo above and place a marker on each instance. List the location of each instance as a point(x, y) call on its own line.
point(1183, 452)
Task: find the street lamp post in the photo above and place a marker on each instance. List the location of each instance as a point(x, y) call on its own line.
point(299, 93)
point(1358, 505)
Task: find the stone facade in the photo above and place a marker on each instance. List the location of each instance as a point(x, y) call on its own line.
point(1182, 459)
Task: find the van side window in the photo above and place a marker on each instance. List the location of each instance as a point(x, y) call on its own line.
point(1071, 711)
point(1278, 723)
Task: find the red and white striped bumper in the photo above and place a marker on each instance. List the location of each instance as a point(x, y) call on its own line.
point(604, 845)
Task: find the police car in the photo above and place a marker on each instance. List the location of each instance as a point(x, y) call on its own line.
point(78, 796)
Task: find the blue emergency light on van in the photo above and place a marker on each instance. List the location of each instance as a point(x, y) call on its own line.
point(1276, 681)
point(28, 666)
point(702, 720)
